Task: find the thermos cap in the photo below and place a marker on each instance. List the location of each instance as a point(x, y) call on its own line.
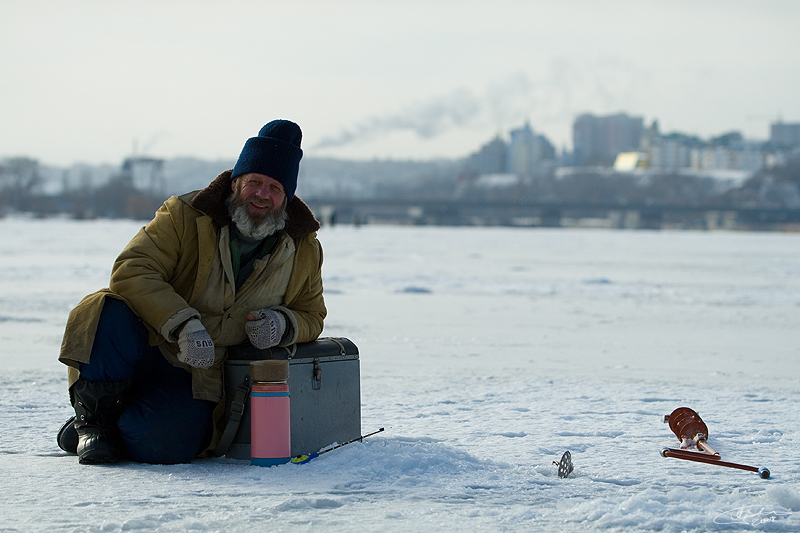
point(269, 370)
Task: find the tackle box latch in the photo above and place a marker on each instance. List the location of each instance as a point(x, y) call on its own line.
point(316, 382)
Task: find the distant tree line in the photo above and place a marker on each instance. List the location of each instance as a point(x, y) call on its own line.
point(20, 181)
point(21, 191)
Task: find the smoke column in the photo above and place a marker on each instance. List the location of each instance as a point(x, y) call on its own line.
point(550, 103)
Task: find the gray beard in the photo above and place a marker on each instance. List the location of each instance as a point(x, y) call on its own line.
point(271, 223)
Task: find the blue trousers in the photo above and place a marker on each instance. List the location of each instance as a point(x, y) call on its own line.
point(163, 424)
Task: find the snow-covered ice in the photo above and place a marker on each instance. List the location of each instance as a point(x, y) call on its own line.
point(485, 353)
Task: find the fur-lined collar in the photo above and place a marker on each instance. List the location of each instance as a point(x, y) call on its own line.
point(211, 201)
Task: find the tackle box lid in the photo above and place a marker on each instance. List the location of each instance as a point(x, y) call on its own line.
point(329, 348)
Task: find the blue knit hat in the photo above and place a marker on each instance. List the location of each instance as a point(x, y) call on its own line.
point(275, 153)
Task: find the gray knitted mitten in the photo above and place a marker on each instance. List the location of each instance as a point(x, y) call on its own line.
point(195, 344)
point(268, 328)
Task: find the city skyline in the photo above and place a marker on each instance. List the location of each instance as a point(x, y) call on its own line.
point(95, 83)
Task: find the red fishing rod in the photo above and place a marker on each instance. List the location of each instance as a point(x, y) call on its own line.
point(706, 458)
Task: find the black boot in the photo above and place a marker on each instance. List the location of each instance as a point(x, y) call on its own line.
point(98, 406)
point(67, 437)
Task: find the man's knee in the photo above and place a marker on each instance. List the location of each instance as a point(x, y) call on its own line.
point(165, 433)
point(119, 344)
point(117, 319)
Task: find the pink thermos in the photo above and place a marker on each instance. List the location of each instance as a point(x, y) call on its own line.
point(270, 431)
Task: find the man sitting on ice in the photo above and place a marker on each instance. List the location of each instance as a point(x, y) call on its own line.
point(238, 261)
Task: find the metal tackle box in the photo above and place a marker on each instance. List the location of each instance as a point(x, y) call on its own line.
point(324, 391)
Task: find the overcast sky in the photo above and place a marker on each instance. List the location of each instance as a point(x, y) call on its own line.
point(95, 81)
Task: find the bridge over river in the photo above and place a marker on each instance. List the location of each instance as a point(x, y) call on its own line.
point(553, 214)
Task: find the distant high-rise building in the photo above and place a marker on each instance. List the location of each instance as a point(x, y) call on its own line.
point(598, 140)
point(520, 151)
point(490, 158)
point(527, 150)
point(785, 135)
point(523, 155)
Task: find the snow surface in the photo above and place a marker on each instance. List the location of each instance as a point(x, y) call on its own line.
point(486, 353)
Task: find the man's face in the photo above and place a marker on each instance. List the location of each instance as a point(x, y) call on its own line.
point(259, 194)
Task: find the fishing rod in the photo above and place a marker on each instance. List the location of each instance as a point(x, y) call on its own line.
point(300, 459)
point(710, 459)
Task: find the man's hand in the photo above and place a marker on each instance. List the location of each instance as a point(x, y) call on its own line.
point(265, 328)
point(195, 344)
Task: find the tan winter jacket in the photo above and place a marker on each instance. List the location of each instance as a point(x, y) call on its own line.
point(179, 267)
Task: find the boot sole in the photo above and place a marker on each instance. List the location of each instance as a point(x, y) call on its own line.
point(98, 460)
point(99, 449)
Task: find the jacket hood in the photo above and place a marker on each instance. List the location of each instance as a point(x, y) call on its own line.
point(211, 201)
